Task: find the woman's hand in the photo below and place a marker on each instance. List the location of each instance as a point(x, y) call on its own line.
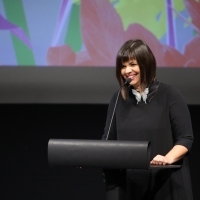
point(159, 160)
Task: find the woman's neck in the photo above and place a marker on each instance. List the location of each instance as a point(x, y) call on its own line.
point(138, 89)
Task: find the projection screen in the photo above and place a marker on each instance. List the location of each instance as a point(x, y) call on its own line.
point(64, 51)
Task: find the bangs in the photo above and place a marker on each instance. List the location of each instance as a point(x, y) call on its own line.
point(126, 55)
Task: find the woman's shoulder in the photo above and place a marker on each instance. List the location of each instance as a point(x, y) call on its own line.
point(170, 91)
point(114, 96)
point(168, 88)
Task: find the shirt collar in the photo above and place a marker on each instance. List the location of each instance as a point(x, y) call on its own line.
point(153, 88)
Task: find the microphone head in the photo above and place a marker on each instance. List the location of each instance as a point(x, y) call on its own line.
point(128, 80)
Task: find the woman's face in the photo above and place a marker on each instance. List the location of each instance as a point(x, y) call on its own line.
point(131, 70)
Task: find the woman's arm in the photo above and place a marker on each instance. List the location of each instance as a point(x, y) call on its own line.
point(181, 130)
point(175, 154)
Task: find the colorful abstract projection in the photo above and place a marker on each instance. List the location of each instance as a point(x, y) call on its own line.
point(90, 32)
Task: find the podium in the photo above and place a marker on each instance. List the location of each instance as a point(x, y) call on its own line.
point(115, 154)
point(105, 154)
point(99, 153)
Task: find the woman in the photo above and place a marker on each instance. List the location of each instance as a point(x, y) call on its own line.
point(148, 110)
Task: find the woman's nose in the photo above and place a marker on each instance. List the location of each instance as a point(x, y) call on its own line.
point(128, 70)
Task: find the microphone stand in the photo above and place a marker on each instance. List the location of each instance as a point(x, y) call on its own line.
point(125, 83)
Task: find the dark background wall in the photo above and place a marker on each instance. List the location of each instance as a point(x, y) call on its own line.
point(25, 131)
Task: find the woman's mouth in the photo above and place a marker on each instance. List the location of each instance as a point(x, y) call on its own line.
point(132, 76)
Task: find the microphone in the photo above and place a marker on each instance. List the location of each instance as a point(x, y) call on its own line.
point(127, 81)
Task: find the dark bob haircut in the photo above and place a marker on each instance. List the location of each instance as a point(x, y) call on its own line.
point(137, 50)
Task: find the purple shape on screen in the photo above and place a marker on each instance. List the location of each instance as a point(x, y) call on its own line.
point(17, 31)
point(63, 14)
point(62, 11)
point(171, 34)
